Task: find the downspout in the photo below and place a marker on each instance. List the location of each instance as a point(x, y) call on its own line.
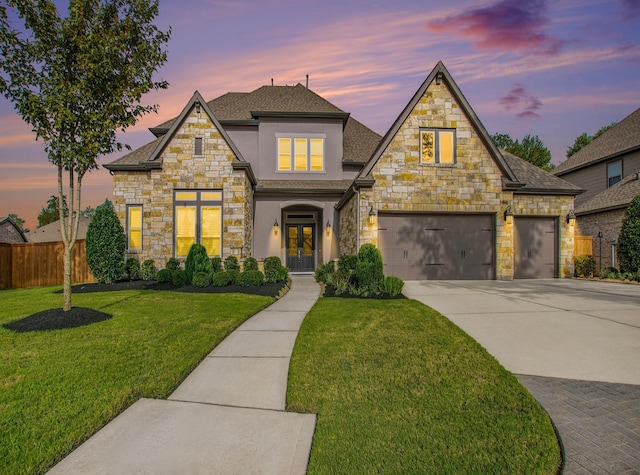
point(357, 219)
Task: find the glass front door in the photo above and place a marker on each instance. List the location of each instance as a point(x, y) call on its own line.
point(300, 247)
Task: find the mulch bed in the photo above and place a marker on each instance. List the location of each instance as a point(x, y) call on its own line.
point(58, 319)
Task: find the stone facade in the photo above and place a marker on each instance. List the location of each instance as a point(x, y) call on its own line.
point(182, 170)
point(610, 223)
point(349, 227)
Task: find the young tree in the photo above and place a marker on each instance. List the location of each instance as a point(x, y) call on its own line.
point(585, 139)
point(106, 244)
point(629, 240)
point(78, 80)
point(51, 213)
point(531, 149)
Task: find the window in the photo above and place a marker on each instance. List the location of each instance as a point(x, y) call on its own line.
point(197, 148)
point(198, 219)
point(300, 154)
point(614, 172)
point(134, 227)
point(438, 146)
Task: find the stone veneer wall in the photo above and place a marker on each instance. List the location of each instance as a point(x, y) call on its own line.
point(181, 170)
point(551, 206)
point(610, 223)
point(349, 227)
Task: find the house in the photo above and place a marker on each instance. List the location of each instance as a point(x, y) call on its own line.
point(51, 232)
point(10, 232)
point(281, 171)
point(607, 168)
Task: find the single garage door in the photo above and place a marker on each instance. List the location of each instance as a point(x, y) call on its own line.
point(536, 248)
point(437, 246)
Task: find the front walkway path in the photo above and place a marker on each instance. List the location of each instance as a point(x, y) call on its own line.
point(227, 417)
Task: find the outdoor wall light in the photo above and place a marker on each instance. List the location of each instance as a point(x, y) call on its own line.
point(328, 227)
point(571, 217)
point(372, 217)
point(508, 214)
point(275, 227)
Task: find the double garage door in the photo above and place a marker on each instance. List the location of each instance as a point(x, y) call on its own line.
point(437, 246)
point(457, 247)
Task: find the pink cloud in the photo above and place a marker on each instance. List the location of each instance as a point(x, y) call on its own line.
point(519, 98)
point(509, 25)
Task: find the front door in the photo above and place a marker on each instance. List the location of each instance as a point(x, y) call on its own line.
point(300, 247)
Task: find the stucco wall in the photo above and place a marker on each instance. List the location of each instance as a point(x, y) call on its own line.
point(182, 170)
point(609, 222)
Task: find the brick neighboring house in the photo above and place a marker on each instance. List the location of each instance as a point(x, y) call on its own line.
point(281, 171)
point(10, 232)
point(607, 168)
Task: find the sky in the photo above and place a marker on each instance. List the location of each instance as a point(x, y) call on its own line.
point(539, 67)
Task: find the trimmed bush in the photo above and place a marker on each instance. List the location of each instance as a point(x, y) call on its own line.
point(392, 285)
point(105, 244)
point(172, 264)
point(282, 274)
point(197, 261)
point(201, 279)
point(585, 265)
point(609, 273)
point(132, 268)
point(234, 275)
point(629, 240)
point(251, 278)
point(179, 278)
point(325, 271)
point(347, 264)
point(221, 279)
point(216, 264)
point(369, 270)
point(148, 270)
point(164, 275)
point(272, 272)
point(231, 263)
point(250, 263)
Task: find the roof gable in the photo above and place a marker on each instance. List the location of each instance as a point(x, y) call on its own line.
point(622, 138)
point(11, 222)
point(440, 73)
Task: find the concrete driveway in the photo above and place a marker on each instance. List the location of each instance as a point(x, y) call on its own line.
point(559, 328)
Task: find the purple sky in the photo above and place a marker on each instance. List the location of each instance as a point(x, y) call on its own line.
point(552, 69)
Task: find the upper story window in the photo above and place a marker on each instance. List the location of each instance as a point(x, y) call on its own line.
point(438, 146)
point(300, 154)
point(614, 172)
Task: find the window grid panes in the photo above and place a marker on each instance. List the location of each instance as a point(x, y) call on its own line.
point(198, 219)
point(300, 154)
point(134, 227)
point(438, 146)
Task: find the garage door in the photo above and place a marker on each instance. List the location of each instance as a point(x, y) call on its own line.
point(436, 246)
point(536, 251)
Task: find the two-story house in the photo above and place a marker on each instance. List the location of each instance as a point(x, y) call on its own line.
point(608, 169)
point(281, 171)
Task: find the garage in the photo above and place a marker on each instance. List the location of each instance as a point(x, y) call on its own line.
point(536, 248)
point(437, 246)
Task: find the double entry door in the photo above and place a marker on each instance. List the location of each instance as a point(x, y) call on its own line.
point(301, 247)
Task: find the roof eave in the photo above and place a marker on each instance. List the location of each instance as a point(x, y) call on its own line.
point(602, 210)
point(599, 160)
point(246, 167)
point(141, 166)
point(547, 191)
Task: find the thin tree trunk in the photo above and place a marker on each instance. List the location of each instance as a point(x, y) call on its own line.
point(69, 229)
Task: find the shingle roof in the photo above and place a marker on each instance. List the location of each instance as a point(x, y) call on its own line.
point(537, 180)
point(616, 197)
point(622, 138)
point(137, 156)
point(303, 185)
point(51, 232)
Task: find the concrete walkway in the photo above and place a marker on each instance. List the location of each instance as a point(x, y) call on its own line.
point(573, 344)
point(227, 417)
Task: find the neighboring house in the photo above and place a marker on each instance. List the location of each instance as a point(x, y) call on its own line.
point(10, 232)
point(607, 168)
point(281, 171)
point(51, 232)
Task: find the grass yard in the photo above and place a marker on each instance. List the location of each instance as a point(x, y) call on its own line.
point(59, 387)
point(398, 388)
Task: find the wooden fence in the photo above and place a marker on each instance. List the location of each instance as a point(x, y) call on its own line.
point(582, 245)
point(35, 264)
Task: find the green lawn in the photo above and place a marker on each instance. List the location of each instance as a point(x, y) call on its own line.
point(59, 387)
point(399, 389)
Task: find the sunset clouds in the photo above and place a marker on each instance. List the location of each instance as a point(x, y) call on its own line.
point(525, 105)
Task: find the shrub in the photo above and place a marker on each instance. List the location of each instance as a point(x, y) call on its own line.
point(283, 272)
point(179, 278)
point(609, 273)
point(369, 270)
point(201, 279)
point(221, 279)
point(629, 240)
point(216, 264)
point(325, 271)
point(172, 264)
point(197, 261)
point(148, 270)
point(105, 244)
point(392, 285)
point(585, 266)
point(234, 275)
point(251, 278)
point(132, 268)
point(164, 275)
point(231, 263)
point(272, 272)
point(347, 264)
point(250, 263)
